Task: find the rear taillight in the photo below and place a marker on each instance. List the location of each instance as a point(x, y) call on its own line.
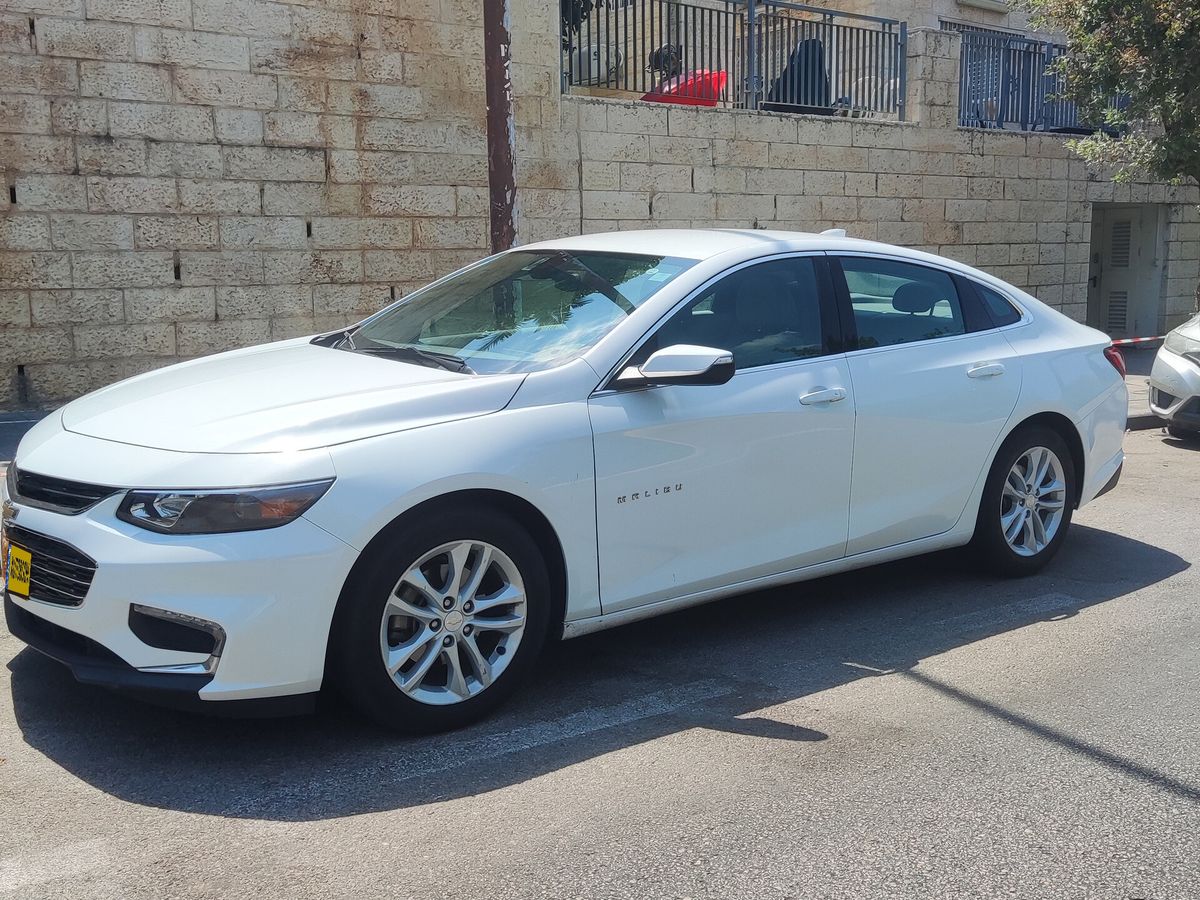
point(1113, 355)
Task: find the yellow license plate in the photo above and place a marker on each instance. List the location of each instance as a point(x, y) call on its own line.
point(20, 565)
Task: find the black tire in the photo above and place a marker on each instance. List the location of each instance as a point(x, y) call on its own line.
point(355, 662)
point(992, 550)
point(1183, 434)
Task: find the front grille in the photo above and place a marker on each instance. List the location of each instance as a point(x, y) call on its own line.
point(60, 574)
point(57, 494)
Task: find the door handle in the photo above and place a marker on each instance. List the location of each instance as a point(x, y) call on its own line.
point(823, 395)
point(985, 370)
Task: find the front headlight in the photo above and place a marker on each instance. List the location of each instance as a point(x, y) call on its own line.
point(1179, 343)
point(214, 512)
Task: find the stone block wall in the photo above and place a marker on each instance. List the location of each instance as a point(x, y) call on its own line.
point(185, 176)
point(1181, 269)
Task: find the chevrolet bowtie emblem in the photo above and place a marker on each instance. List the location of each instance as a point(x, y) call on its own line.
point(9, 511)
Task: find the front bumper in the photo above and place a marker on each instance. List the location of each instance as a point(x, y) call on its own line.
point(272, 593)
point(1175, 389)
point(92, 663)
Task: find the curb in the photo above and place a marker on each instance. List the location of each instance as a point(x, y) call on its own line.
point(1144, 422)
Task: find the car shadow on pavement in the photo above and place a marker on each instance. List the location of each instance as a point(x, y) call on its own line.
point(1192, 444)
point(719, 666)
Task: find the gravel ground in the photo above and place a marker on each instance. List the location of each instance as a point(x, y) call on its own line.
point(913, 730)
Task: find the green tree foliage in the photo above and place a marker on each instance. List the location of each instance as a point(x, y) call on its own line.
point(1147, 53)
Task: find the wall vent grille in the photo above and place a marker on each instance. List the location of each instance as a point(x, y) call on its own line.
point(1122, 241)
point(1118, 311)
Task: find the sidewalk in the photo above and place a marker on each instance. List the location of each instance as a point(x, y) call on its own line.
point(1138, 361)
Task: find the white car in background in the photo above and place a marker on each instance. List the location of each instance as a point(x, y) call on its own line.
point(558, 439)
point(1175, 381)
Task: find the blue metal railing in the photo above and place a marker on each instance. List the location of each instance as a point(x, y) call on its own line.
point(1008, 81)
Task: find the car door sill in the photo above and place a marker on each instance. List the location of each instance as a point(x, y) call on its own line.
point(953, 538)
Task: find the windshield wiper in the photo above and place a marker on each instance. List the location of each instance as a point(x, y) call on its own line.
point(447, 361)
point(337, 339)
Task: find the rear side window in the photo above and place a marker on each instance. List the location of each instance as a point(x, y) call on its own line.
point(999, 309)
point(901, 303)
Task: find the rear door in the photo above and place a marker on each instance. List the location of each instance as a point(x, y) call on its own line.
point(935, 383)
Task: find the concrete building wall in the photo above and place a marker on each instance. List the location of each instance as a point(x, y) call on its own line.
point(187, 176)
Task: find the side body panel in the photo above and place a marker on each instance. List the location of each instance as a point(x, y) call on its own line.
point(703, 486)
point(1063, 371)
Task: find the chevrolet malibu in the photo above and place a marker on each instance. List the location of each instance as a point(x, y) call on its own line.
point(558, 439)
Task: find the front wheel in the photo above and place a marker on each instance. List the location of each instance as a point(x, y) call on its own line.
point(1027, 503)
point(441, 620)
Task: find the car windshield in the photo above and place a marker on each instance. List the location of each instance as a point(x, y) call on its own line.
point(516, 312)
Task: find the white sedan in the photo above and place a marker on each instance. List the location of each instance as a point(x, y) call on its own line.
point(558, 439)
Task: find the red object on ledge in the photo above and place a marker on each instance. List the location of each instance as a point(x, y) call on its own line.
point(700, 87)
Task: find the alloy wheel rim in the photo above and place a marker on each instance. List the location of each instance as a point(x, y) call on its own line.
point(452, 623)
point(1033, 501)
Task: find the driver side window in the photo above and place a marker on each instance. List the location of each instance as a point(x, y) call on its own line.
point(765, 314)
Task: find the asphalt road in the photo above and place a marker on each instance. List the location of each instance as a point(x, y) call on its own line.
point(914, 730)
point(13, 426)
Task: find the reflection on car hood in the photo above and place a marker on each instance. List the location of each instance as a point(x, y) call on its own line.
point(287, 396)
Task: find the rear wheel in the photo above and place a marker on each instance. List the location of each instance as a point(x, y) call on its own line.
point(1027, 503)
point(440, 622)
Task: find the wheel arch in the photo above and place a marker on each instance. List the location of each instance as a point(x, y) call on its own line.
point(1065, 429)
point(520, 509)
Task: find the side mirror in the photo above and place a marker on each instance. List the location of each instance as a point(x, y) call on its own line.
point(680, 364)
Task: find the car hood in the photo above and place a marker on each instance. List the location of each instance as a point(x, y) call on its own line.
point(292, 395)
point(1190, 328)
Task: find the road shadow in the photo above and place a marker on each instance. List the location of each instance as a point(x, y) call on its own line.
point(1191, 443)
point(716, 666)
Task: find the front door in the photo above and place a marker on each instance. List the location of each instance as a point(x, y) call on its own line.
point(1125, 285)
point(705, 486)
point(933, 390)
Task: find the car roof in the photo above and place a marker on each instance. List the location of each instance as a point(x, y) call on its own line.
point(742, 244)
point(705, 243)
point(687, 243)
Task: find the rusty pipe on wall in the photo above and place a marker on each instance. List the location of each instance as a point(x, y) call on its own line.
point(501, 130)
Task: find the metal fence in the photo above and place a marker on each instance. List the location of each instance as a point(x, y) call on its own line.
point(1006, 81)
point(747, 54)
